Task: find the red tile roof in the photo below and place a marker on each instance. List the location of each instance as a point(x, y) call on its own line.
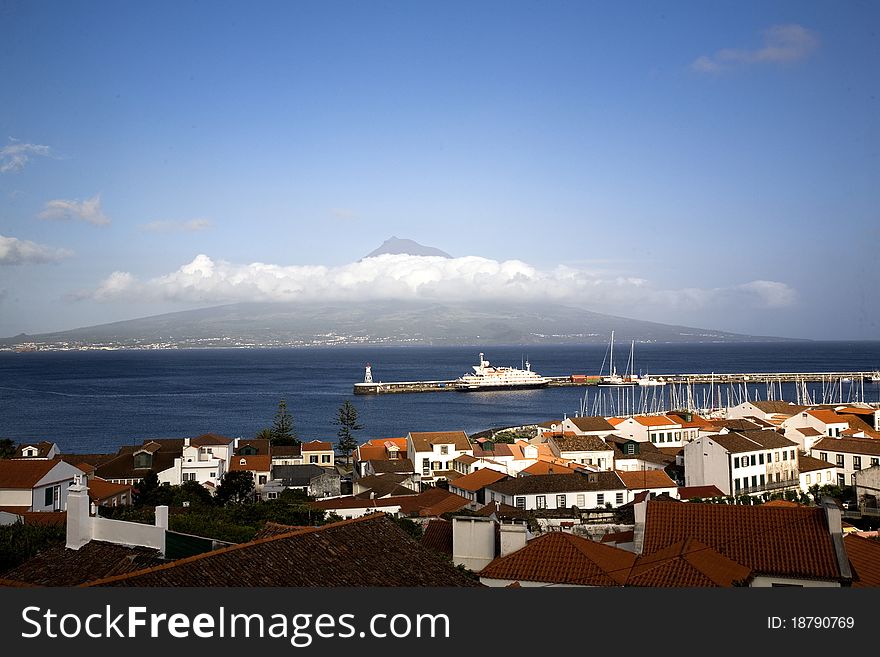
point(655, 420)
point(864, 556)
point(546, 467)
point(639, 479)
point(433, 502)
point(778, 541)
point(24, 473)
point(317, 446)
point(207, 439)
point(827, 416)
point(367, 551)
point(423, 441)
point(255, 463)
point(478, 480)
point(690, 492)
point(438, 536)
point(688, 563)
point(100, 490)
point(563, 558)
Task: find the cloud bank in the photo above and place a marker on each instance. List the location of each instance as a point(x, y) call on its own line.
point(191, 226)
point(89, 211)
point(782, 44)
point(16, 155)
point(424, 278)
point(14, 251)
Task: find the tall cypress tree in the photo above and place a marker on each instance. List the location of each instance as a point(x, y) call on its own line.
point(346, 418)
point(283, 432)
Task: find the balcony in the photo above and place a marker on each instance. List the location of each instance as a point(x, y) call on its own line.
point(769, 487)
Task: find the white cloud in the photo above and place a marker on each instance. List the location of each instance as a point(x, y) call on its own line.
point(405, 277)
point(89, 210)
point(15, 155)
point(14, 251)
point(191, 226)
point(782, 44)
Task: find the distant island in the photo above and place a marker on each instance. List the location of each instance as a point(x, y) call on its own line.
point(255, 325)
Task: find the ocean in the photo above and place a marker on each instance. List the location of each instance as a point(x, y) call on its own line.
point(97, 401)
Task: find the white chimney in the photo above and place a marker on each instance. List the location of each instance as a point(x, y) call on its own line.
point(79, 522)
point(513, 538)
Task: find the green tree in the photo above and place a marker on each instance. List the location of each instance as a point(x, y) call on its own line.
point(347, 419)
point(7, 448)
point(283, 432)
point(149, 492)
point(265, 434)
point(235, 487)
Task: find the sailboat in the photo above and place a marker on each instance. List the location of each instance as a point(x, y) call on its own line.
point(614, 379)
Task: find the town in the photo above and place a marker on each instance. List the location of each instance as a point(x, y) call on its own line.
point(764, 493)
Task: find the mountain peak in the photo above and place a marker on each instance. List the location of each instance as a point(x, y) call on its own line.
point(394, 246)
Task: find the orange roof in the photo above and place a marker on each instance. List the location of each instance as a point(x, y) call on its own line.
point(317, 446)
point(770, 540)
point(640, 479)
point(782, 503)
point(614, 421)
point(478, 479)
point(254, 463)
point(688, 563)
point(24, 473)
point(101, 489)
point(563, 558)
point(827, 416)
point(864, 555)
point(655, 420)
point(549, 467)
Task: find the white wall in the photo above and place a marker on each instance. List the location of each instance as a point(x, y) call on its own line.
point(15, 497)
point(473, 542)
point(128, 533)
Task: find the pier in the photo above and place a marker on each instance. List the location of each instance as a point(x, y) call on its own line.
point(369, 387)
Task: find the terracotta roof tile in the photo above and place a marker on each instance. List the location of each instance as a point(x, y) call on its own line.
point(581, 444)
point(547, 467)
point(207, 439)
point(849, 445)
point(779, 541)
point(827, 416)
point(563, 558)
point(637, 480)
point(60, 566)
point(100, 489)
point(783, 407)
point(655, 420)
point(423, 441)
point(478, 480)
point(438, 536)
point(592, 423)
point(391, 466)
point(701, 492)
point(316, 446)
point(688, 563)
point(864, 556)
point(255, 463)
point(24, 473)
point(807, 463)
point(433, 502)
point(368, 551)
point(558, 483)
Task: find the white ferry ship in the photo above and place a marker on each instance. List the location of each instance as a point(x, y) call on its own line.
point(487, 377)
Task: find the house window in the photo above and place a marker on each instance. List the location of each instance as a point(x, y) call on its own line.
point(840, 460)
point(763, 481)
point(631, 448)
point(325, 458)
point(541, 502)
point(313, 458)
point(735, 461)
point(520, 503)
point(777, 457)
point(272, 496)
point(560, 501)
point(50, 497)
point(823, 456)
point(189, 476)
point(808, 480)
point(580, 501)
point(875, 462)
point(841, 480)
point(242, 461)
point(619, 498)
point(857, 462)
point(754, 460)
point(262, 480)
point(761, 458)
point(444, 449)
point(736, 485)
point(754, 481)
point(792, 455)
point(213, 475)
point(784, 456)
point(600, 499)
point(678, 435)
point(426, 467)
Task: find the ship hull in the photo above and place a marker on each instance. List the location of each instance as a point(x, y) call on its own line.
point(476, 387)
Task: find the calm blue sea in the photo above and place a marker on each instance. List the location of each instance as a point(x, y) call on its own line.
point(99, 401)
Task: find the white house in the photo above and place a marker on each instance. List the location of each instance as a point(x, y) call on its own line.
point(656, 482)
point(433, 452)
point(317, 452)
point(560, 491)
point(774, 412)
point(849, 455)
point(662, 430)
point(586, 450)
point(41, 450)
point(203, 459)
point(35, 484)
point(815, 472)
point(740, 463)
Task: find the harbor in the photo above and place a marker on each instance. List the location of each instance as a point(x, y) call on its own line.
point(370, 387)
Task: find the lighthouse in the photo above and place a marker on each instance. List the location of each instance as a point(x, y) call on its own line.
point(368, 375)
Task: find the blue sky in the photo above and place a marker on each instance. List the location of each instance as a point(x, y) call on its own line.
point(704, 163)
